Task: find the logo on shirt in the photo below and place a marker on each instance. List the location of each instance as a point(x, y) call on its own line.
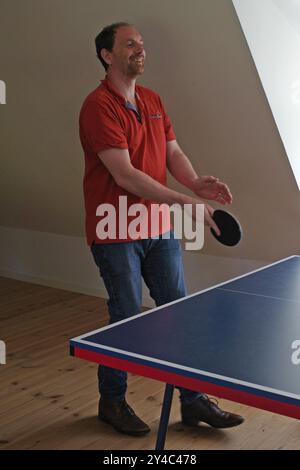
point(155, 116)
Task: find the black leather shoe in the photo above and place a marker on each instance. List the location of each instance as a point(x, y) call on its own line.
point(122, 417)
point(204, 409)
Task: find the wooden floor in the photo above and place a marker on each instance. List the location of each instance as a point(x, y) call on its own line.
point(48, 400)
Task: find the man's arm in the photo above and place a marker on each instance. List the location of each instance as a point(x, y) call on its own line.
point(118, 163)
point(179, 165)
point(208, 187)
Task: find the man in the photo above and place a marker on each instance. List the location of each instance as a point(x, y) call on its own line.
point(129, 142)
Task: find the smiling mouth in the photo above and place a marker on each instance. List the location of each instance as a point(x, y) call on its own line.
point(139, 61)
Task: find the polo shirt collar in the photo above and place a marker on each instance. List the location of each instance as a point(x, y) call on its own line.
point(108, 84)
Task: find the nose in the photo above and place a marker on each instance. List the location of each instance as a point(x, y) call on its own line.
point(140, 49)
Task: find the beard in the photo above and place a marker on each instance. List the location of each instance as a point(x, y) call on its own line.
point(135, 68)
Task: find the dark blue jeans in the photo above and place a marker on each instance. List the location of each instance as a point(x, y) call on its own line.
point(122, 266)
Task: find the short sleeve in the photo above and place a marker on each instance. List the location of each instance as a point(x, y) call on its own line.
point(100, 128)
point(169, 131)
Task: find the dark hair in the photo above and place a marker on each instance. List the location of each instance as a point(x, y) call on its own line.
point(106, 40)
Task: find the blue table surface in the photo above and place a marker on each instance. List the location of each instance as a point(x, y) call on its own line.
point(242, 330)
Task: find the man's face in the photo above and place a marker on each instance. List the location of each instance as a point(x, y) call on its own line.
point(128, 54)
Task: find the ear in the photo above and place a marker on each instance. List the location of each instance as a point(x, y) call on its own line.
point(106, 56)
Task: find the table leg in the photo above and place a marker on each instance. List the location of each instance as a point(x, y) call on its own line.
point(164, 417)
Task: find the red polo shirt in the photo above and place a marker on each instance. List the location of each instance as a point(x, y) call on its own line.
point(107, 121)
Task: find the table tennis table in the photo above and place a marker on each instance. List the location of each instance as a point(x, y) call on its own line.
point(235, 340)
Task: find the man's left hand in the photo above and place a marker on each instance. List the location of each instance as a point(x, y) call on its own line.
point(209, 187)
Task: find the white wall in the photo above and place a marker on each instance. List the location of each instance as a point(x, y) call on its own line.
point(272, 29)
point(197, 59)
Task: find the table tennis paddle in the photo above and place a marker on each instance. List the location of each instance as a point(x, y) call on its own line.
point(231, 231)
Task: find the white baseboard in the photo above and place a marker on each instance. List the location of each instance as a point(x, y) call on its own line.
point(65, 262)
point(49, 282)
